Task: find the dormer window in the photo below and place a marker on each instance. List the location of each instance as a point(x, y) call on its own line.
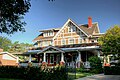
point(48, 33)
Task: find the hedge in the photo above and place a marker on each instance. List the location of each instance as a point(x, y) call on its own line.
point(33, 73)
point(113, 70)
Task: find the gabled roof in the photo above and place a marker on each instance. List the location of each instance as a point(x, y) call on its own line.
point(69, 20)
point(41, 37)
point(90, 31)
point(9, 54)
point(84, 28)
point(52, 29)
point(51, 47)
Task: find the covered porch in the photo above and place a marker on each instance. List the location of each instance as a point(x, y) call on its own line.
point(53, 56)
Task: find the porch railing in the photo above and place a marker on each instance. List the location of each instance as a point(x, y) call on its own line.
point(26, 64)
point(77, 64)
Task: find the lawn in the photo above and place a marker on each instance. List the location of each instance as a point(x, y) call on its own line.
point(78, 75)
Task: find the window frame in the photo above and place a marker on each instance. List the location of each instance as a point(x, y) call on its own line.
point(69, 41)
point(64, 42)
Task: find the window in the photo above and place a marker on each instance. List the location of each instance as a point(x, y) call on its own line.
point(69, 29)
point(47, 34)
point(92, 41)
point(63, 42)
point(72, 28)
point(71, 41)
point(50, 42)
point(51, 58)
point(80, 40)
point(84, 40)
point(46, 43)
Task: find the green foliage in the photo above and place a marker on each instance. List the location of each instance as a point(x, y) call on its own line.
point(5, 43)
point(96, 65)
point(110, 41)
point(33, 73)
point(11, 15)
point(19, 47)
point(115, 70)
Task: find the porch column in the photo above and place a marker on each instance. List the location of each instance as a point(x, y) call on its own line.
point(44, 57)
point(79, 56)
point(98, 54)
point(62, 59)
point(30, 58)
point(108, 59)
point(78, 59)
point(44, 60)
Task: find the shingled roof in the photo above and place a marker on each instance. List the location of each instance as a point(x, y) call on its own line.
point(90, 31)
point(94, 29)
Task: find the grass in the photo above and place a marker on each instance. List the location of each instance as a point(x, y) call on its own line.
point(78, 75)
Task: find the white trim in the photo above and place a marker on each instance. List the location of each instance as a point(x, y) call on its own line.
point(61, 28)
point(30, 58)
point(62, 57)
point(44, 57)
point(98, 27)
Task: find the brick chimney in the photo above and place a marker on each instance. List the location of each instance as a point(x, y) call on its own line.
point(89, 22)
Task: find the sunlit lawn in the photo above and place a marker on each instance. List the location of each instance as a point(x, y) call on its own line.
point(78, 75)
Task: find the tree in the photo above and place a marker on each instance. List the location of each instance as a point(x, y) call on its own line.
point(19, 47)
point(5, 43)
point(96, 65)
point(110, 41)
point(11, 13)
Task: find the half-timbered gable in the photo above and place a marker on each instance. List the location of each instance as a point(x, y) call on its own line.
point(70, 33)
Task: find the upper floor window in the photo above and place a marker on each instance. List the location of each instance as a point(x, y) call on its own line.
point(72, 29)
point(45, 43)
point(80, 40)
point(71, 41)
point(48, 33)
point(63, 42)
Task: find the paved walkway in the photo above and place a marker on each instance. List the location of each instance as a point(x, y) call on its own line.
point(101, 77)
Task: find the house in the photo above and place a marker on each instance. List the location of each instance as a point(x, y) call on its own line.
point(69, 44)
point(7, 59)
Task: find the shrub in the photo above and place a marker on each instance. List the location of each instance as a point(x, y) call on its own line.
point(96, 65)
point(113, 70)
point(33, 73)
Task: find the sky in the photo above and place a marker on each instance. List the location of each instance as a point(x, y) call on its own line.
point(45, 14)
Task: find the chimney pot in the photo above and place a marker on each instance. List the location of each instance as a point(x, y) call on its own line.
point(89, 22)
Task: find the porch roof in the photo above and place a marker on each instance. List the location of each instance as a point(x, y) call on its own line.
point(51, 49)
point(60, 50)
